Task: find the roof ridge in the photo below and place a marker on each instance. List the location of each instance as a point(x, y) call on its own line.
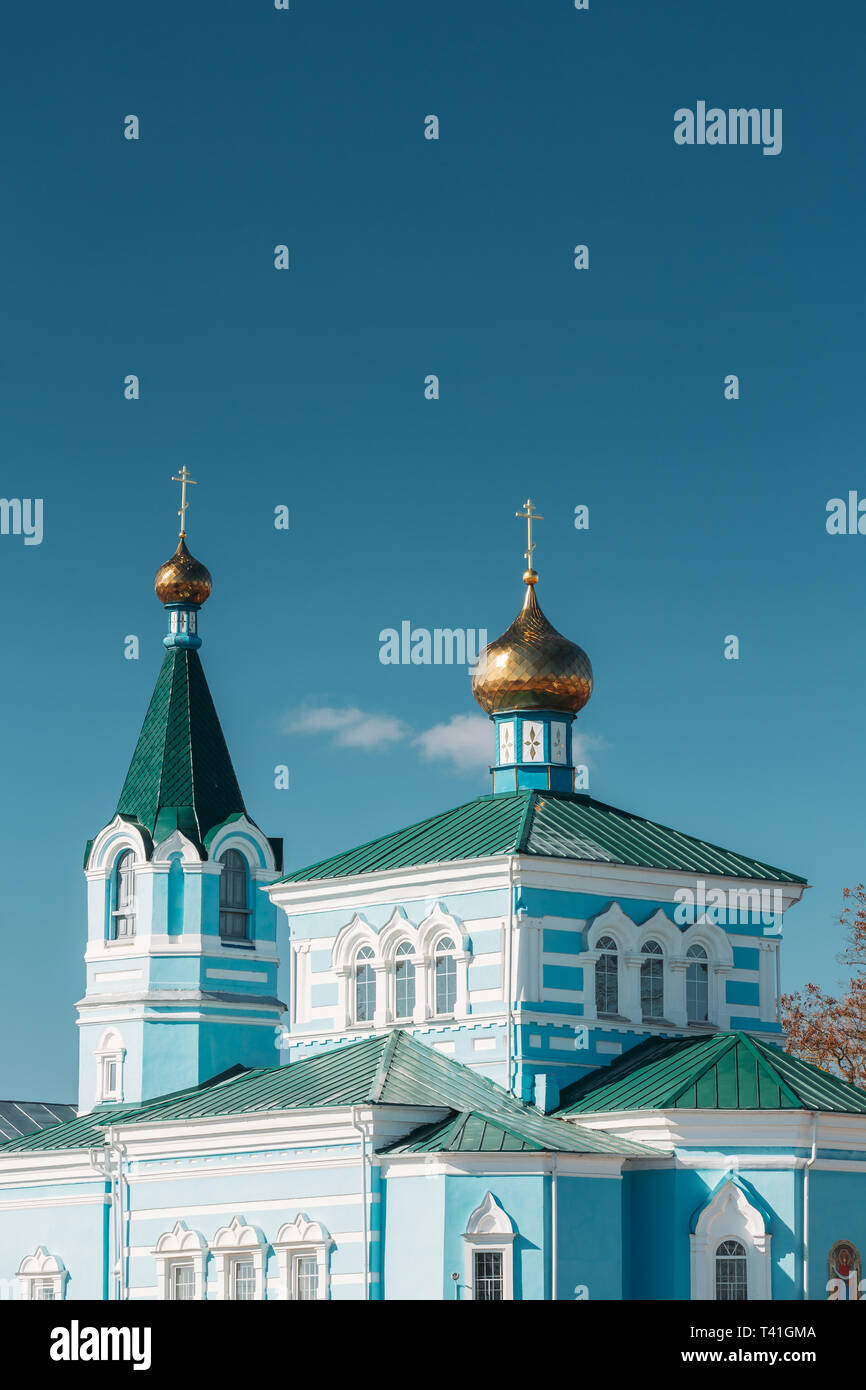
point(525, 828)
point(715, 1053)
point(380, 1078)
point(780, 1080)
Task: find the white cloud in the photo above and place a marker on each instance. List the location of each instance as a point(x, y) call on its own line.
point(465, 741)
point(349, 727)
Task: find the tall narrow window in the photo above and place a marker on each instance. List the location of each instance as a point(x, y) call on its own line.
point(404, 981)
point(365, 986)
point(243, 1280)
point(652, 981)
point(123, 916)
point(607, 977)
point(306, 1277)
point(234, 896)
point(731, 1278)
point(445, 977)
point(487, 1281)
point(182, 1286)
point(43, 1290)
point(697, 985)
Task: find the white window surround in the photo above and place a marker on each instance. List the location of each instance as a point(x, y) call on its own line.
point(384, 943)
point(180, 1245)
point(294, 1240)
point(236, 1241)
point(490, 1229)
point(249, 841)
point(675, 943)
point(116, 837)
point(730, 1216)
point(42, 1268)
point(120, 835)
point(109, 1056)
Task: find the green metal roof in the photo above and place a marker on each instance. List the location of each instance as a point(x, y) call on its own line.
point(726, 1071)
point(394, 1069)
point(555, 825)
point(181, 776)
point(88, 1131)
point(466, 1132)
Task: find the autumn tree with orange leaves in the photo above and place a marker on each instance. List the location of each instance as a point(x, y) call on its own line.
point(827, 1030)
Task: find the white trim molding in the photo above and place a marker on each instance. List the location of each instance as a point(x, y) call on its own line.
point(179, 1246)
point(298, 1239)
point(729, 1215)
point(42, 1271)
point(111, 841)
point(490, 1230)
point(238, 1241)
point(425, 939)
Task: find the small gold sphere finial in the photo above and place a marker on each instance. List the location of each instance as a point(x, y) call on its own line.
point(530, 577)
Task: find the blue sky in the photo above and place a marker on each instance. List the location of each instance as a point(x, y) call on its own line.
point(306, 388)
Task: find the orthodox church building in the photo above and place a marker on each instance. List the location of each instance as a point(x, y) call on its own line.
point(532, 1048)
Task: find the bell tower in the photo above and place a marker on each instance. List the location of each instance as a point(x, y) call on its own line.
point(181, 953)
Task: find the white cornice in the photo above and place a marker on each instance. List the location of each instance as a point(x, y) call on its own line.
point(627, 881)
point(502, 1163)
point(530, 871)
point(729, 1129)
point(399, 885)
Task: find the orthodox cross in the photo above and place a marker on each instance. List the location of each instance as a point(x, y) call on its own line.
point(184, 478)
point(529, 516)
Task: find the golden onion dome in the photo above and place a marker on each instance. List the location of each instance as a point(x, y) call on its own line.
point(532, 666)
point(182, 579)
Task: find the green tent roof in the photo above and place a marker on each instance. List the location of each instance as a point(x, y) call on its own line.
point(181, 776)
point(394, 1069)
point(555, 825)
point(726, 1071)
point(467, 1132)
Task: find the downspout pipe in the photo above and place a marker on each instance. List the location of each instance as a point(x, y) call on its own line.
point(361, 1131)
point(554, 1221)
point(102, 1161)
point(806, 1171)
point(509, 950)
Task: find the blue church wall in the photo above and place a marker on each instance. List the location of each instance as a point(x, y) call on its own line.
point(413, 1265)
point(524, 1199)
point(590, 1245)
point(661, 1204)
point(266, 1199)
point(464, 906)
point(72, 1225)
point(837, 1212)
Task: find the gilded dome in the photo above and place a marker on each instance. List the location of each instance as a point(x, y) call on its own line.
point(532, 666)
point(182, 579)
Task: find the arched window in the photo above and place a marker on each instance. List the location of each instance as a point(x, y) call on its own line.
point(404, 982)
point(445, 976)
point(607, 977)
point(697, 985)
point(731, 1278)
point(123, 916)
point(301, 1248)
point(234, 897)
point(109, 1057)
point(652, 981)
point(365, 986)
point(42, 1277)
